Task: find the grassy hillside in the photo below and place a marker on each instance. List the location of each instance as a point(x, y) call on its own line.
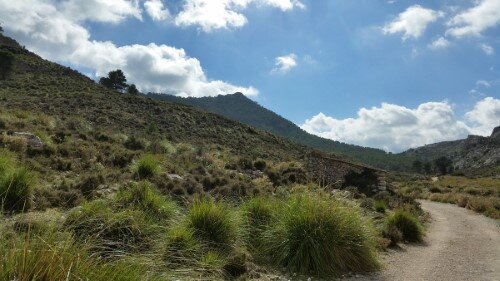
point(98, 185)
point(238, 107)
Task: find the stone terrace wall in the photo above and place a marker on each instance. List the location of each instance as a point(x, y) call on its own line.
point(330, 172)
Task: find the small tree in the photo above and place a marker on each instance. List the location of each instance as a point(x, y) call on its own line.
point(6, 64)
point(132, 89)
point(1, 29)
point(116, 80)
point(443, 164)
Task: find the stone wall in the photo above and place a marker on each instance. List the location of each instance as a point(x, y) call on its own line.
point(330, 172)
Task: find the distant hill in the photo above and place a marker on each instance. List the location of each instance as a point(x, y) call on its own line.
point(472, 153)
point(240, 108)
point(40, 86)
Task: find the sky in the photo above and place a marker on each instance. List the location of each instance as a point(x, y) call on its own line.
point(388, 74)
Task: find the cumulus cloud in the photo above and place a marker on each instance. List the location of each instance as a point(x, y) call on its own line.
point(396, 128)
point(45, 28)
point(440, 43)
point(284, 64)
point(483, 83)
point(413, 22)
point(222, 14)
point(156, 10)
point(485, 14)
point(112, 11)
point(487, 49)
point(485, 116)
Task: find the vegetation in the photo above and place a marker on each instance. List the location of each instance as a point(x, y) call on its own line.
point(129, 188)
point(16, 185)
point(316, 235)
point(240, 108)
point(409, 226)
point(480, 194)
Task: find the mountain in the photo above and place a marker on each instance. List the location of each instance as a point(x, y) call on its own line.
point(472, 153)
point(41, 87)
point(240, 108)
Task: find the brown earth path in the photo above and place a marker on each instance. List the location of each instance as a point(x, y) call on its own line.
point(459, 245)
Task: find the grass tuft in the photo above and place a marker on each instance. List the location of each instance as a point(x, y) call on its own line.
point(322, 237)
point(16, 186)
point(145, 197)
point(213, 223)
point(147, 167)
point(409, 226)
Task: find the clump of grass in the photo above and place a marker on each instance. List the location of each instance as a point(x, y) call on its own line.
point(380, 206)
point(407, 224)
point(259, 212)
point(182, 248)
point(16, 186)
point(147, 167)
point(145, 197)
point(51, 257)
point(320, 236)
point(110, 232)
point(213, 223)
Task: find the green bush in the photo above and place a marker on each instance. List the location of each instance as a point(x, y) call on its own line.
point(147, 167)
point(213, 223)
point(145, 197)
point(320, 236)
point(110, 232)
point(407, 224)
point(380, 206)
point(16, 186)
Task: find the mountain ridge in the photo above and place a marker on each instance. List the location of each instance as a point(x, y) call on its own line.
point(239, 107)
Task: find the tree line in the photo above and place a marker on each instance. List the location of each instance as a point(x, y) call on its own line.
point(442, 165)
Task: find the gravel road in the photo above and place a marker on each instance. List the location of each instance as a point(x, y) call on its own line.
point(460, 245)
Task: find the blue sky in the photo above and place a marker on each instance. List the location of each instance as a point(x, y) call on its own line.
point(350, 70)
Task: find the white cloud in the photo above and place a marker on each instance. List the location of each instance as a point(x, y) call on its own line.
point(483, 83)
point(284, 64)
point(396, 128)
point(413, 22)
point(210, 15)
point(112, 11)
point(440, 43)
point(487, 49)
point(485, 116)
point(44, 28)
point(156, 10)
point(486, 14)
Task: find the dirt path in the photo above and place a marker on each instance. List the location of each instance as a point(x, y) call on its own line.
point(460, 245)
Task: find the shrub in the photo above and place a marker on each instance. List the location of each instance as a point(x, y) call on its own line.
point(146, 198)
point(407, 224)
point(109, 232)
point(16, 186)
point(213, 223)
point(320, 236)
point(380, 206)
point(147, 166)
point(135, 143)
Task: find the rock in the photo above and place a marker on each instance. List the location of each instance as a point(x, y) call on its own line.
point(32, 140)
point(174, 177)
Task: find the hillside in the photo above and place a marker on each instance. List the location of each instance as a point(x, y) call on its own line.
point(100, 185)
point(240, 108)
point(472, 153)
point(44, 87)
